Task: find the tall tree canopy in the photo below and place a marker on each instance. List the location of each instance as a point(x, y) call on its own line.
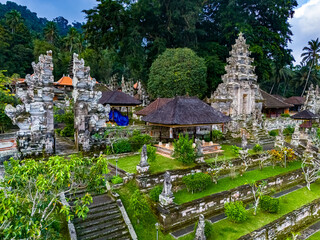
point(177, 72)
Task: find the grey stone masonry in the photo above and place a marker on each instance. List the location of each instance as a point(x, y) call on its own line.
point(90, 117)
point(34, 116)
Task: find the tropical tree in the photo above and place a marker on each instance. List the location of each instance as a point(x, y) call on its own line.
point(311, 57)
point(280, 75)
point(72, 38)
point(13, 20)
point(51, 32)
point(178, 72)
point(32, 194)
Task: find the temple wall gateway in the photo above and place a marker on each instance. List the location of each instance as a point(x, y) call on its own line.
point(34, 116)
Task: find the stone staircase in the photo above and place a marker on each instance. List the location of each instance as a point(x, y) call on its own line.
point(104, 220)
point(263, 137)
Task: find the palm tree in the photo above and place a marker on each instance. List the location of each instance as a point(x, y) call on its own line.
point(13, 20)
point(278, 75)
point(51, 32)
point(311, 57)
point(72, 38)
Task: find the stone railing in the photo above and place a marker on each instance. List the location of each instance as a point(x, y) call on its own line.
point(175, 216)
point(148, 181)
point(291, 222)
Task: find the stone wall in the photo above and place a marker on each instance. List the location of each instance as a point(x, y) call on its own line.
point(148, 181)
point(175, 216)
point(291, 222)
point(279, 122)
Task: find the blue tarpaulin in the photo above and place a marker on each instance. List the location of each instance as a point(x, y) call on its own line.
point(118, 118)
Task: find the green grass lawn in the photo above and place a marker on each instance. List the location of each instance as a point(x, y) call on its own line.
point(161, 164)
point(227, 183)
point(145, 230)
point(226, 155)
point(315, 236)
point(228, 230)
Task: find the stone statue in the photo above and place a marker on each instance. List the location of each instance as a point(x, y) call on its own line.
point(166, 197)
point(143, 166)
point(199, 151)
point(200, 235)
point(244, 142)
point(295, 140)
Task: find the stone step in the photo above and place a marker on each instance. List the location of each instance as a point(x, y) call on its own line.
point(104, 219)
point(105, 232)
point(95, 216)
point(99, 227)
point(124, 235)
point(101, 208)
point(96, 196)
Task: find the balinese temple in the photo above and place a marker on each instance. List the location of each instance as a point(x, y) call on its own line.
point(155, 105)
point(297, 103)
point(274, 106)
point(307, 116)
point(238, 96)
point(312, 102)
point(118, 101)
point(184, 115)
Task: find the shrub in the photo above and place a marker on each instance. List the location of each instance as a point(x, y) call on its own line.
point(108, 150)
point(285, 115)
point(151, 151)
point(68, 131)
point(235, 211)
point(122, 146)
point(137, 140)
point(155, 192)
point(288, 131)
point(208, 228)
point(217, 135)
point(269, 204)
point(257, 148)
point(236, 149)
point(116, 180)
point(138, 205)
point(197, 182)
point(273, 133)
point(183, 150)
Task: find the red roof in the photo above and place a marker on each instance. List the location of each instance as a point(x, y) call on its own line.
point(64, 81)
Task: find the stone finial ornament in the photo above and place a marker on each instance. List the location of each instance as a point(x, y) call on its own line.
point(200, 229)
point(34, 116)
point(166, 197)
point(143, 166)
point(295, 140)
point(199, 151)
point(244, 141)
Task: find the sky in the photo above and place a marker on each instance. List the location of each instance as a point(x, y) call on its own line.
point(305, 23)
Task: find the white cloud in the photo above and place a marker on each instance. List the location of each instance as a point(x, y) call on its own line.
point(305, 26)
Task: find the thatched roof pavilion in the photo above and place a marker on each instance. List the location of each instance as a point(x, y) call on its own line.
point(305, 115)
point(186, 111)
point(118, 99)
point(274, 106)
point(152, 107)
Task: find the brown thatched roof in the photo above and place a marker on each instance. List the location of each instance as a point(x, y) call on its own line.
point(305, 115)
point(118, 98)
point(273, 102)
point(295, 100)
point(155, 105)
point(186, 111)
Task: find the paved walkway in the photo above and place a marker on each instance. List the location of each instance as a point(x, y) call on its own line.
point(217, 218)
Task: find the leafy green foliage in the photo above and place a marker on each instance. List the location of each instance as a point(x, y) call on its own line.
point(183, 150)
point(285, 115)
point(31, 189)
point(269, 204)
point(257, 148)
point(236, 149)
point(235, 211)
point(155, 192)
point(177, 72)
point(273, 133)
point(151, 152)
point(208, 228)
point(197, 182)
point(217, 135)
point(137, 140)
point(138, 205)
point(116, 180)
point(67, 117)
point(288, 131)
point(122, 146)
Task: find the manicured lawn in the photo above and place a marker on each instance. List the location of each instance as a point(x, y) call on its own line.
point(228, 230)
point(145, 230)
point(160, 165)
point(226, 155)
point(315, 236)
point(227, 183)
